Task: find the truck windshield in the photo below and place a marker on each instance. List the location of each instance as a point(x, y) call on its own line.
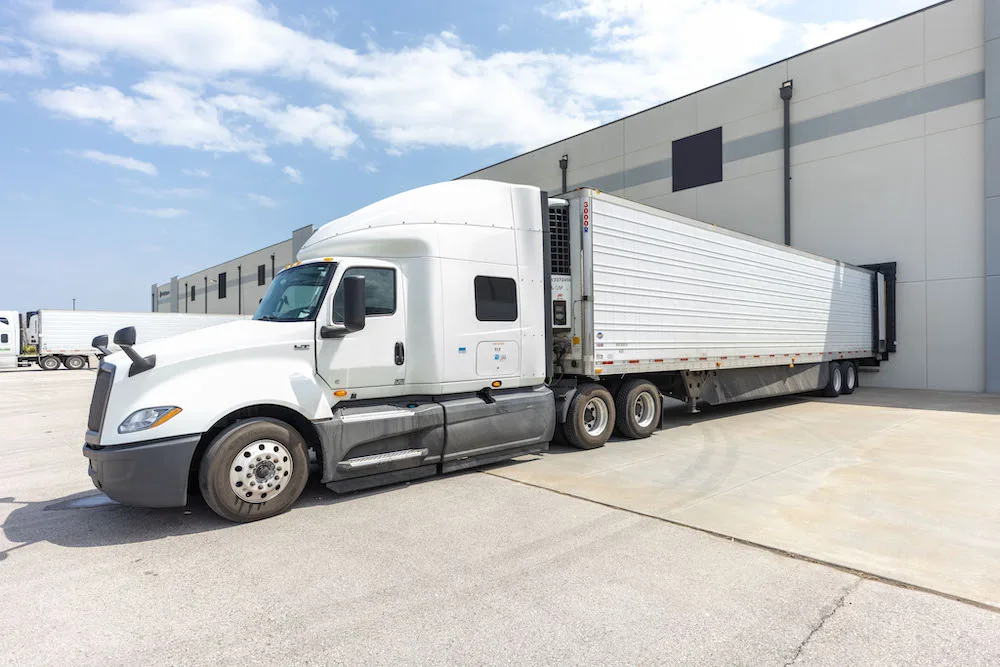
point(295, 294)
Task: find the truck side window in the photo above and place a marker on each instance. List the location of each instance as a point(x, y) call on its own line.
point(4, 338)
point(380, 292)
point(3, 320)
point(496, 299)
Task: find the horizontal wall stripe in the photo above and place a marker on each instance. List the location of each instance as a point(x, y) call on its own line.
point(870, 114)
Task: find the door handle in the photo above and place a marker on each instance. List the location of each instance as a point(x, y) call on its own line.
point(400, 354)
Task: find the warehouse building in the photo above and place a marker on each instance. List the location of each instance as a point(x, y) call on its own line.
point(232, 288)
point(881, 147)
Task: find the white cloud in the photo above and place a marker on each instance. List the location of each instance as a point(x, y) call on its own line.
point(439, 91)
point(20, 57)
point(261, 200)
point(171, 193)
point(324, 126)
point(200, 173)
point(118, 161)
point(157, 212)
point(6, 97)
point(77, 60)
point(165, 112)
point(370, 168)
point(294, 175)
point(502, 28)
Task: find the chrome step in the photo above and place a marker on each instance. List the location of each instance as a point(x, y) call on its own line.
point(378, 459)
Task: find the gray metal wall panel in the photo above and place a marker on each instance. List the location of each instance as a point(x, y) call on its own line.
point(992, 175)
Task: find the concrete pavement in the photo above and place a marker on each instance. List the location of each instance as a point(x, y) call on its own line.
point(900, 484)
point(463, 569)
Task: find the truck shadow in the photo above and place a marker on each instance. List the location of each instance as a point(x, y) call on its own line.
point(91, 519)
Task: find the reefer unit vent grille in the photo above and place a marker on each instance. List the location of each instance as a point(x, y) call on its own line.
point(559, 239)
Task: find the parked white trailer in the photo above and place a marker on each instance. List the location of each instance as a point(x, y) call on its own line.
point(468, 322)
point(53, 338)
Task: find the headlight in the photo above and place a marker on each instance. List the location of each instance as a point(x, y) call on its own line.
point(140, 420)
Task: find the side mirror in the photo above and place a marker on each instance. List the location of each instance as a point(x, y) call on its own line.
point(354, 309)
point(125, 337)
point(101, 343)
point(354, 303)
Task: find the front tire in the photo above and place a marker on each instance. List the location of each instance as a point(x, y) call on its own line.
point(253, 470)
point(49, 363)
point(590, 419)
point(74, 363)
point(638, 406)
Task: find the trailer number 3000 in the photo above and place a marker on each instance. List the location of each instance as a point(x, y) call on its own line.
point(586, 216)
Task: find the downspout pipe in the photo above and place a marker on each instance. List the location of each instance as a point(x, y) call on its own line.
point(563, 166)
point(786, 97)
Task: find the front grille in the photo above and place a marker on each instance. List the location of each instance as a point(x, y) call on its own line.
point(559, 240)
point(99, 401)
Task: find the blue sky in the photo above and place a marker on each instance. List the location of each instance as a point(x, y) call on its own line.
point(150, 138)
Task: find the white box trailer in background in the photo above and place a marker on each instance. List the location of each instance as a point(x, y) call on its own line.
point(465, 323)
point(54, 338)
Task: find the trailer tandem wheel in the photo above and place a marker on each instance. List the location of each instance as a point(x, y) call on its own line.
point(74, 363)
point(835, 384)
point(850, 370)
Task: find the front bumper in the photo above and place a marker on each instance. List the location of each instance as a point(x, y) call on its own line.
point(145, 474)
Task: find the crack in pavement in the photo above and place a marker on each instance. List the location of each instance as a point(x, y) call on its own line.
point(822, 621)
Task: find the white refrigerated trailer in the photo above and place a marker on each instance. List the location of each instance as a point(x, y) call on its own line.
point(53, 338)
point(467, 322)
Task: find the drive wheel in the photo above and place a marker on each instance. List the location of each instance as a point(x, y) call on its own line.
point(590, 419)
point(638, 407)
point(835, 384)
point(850, 370)
point(49, 363)
point(74, 363)
point(254, 470)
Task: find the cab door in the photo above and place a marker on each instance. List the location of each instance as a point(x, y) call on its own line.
point(372, 360)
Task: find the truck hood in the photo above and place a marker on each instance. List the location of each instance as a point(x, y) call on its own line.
point(228, 339)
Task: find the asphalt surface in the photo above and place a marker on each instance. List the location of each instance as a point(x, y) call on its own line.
point(463, 569)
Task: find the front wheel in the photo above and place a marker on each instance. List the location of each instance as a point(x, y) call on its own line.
point(590, 418)
point(254, 470)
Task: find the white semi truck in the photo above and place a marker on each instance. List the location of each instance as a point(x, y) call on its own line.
point(468, 322)
point(53, 338)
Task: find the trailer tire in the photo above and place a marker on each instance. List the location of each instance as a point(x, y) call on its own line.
point(638, 406)
point(49, 363)
point(590, 419)
point(223, 469)
point(850, 370)
point(74, 363)
point(835, 383)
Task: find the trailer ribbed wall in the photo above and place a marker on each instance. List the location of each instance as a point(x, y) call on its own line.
point(668, 292)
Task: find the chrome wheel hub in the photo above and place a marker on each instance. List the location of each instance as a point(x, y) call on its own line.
point(644, 409)
point(260, 471)
point(595, 417)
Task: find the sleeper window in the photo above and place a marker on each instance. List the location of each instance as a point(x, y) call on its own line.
point(496, 299)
